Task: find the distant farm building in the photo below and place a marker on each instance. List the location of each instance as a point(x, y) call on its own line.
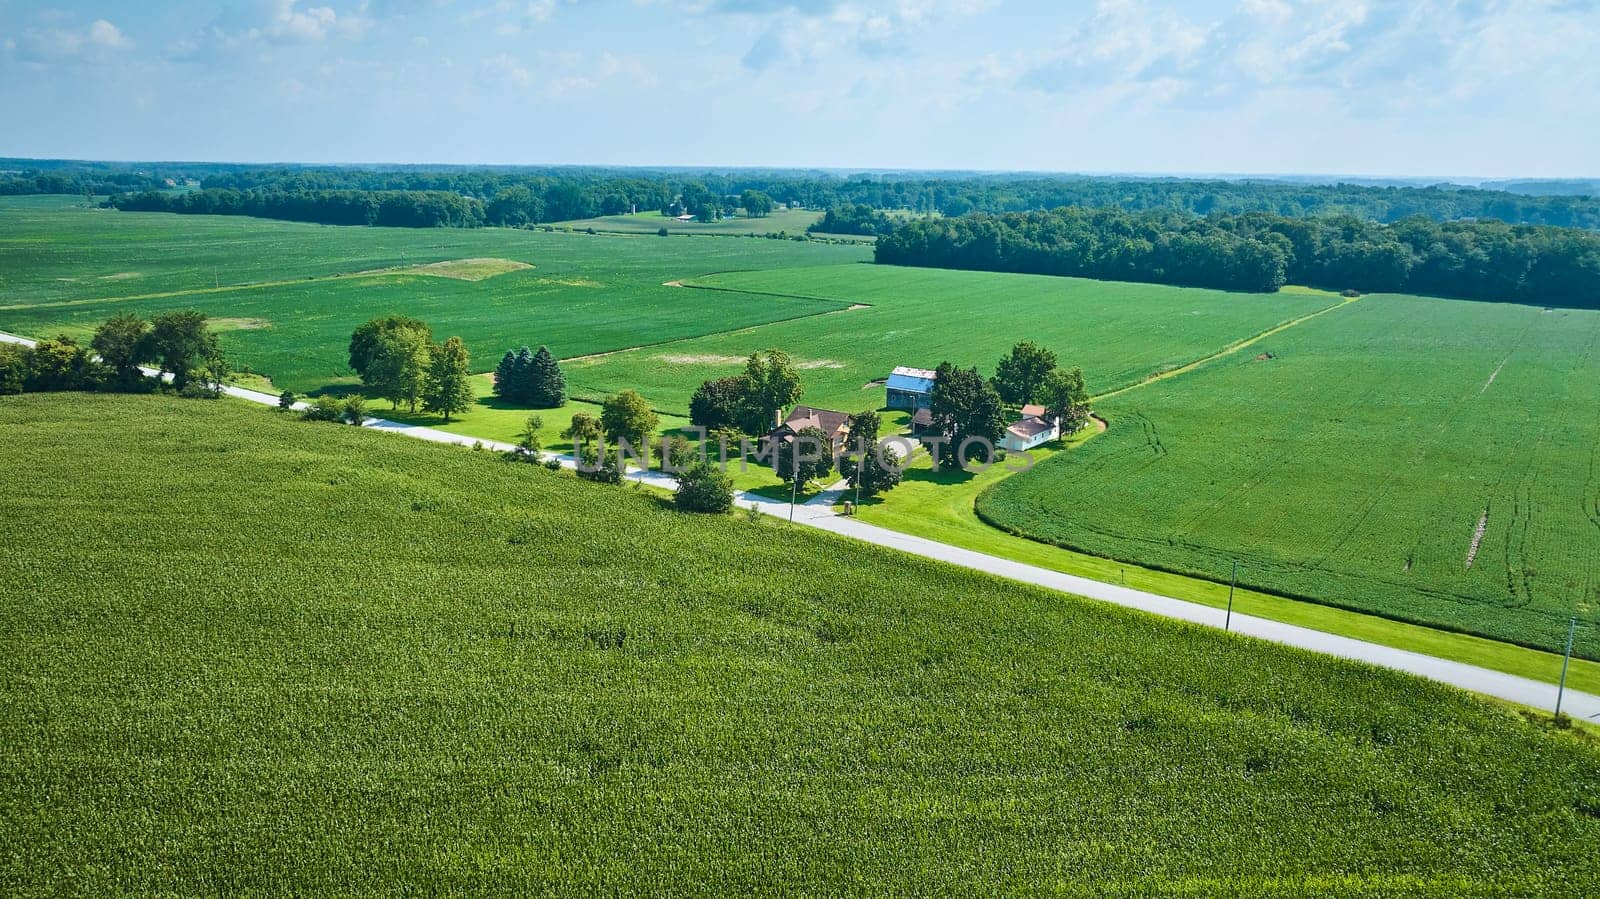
point(910, 388)
point(1030, 430)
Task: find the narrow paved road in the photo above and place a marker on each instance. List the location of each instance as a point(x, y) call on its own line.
point(818, 513)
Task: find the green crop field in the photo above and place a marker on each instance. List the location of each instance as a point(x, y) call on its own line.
point(1430, 460)
point(1118, 333)
point(288, 294)
point(246, 654)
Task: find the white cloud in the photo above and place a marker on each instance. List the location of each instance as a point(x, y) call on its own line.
point(98, 42)
point(271, 22)
point(1372, 57)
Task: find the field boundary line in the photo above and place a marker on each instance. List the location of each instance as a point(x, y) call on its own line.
point(1228, 350)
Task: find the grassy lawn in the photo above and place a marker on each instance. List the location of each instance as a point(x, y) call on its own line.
point(246, 655)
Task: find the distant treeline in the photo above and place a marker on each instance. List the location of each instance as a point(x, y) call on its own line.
point(397, 208)
point(528, 195)
point(78, 183)
point(1262, 252)
point(950, 194)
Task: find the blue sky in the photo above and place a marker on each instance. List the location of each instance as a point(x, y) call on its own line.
point(1490, 88)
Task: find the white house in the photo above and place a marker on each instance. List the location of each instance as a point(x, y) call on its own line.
point(1030, 430)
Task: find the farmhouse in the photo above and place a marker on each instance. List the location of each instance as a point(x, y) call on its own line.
point(1030, 430)
point(910, 388)
point(832, 423)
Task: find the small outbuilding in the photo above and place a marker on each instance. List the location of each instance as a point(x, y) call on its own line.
point(910, 388)
point(1029, 431)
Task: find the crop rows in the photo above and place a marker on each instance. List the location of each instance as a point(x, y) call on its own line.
point(247, 654)
point(1354, 466)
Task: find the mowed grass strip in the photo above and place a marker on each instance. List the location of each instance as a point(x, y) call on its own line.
point(1429, 460)
point(249, 654)
point(1118, 333)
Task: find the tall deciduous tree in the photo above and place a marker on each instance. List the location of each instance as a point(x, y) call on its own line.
point(964, 406)
point(720, 403)
point(870, 469)
point(1022, 372)
point(399, 366)
point(364, 340)
point(449, 388)
point(773, 384)
point(584, 429)
point(182, 344)
point(1065, 399)
point(626, 416)
point(123, 342)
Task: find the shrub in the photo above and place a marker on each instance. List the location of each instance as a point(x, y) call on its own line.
point(325, 408)
point(286, 401)
point(13, 368)
point(200, 389)
point(552, 464)
point(704, 488)
point(591, 468)
point(1350, 293)
point(355, 409)
point(661, 232)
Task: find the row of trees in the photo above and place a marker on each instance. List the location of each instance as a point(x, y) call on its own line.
point(180, 345)
point(530, 379)
point(399, 361)
point(1261, 252)
point(402, 209)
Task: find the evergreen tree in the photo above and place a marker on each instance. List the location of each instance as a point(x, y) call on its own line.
point(547, 386)
point(502, 376)
point(521, 377)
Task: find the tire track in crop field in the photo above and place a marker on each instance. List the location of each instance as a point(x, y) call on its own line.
point(1228, 350)
point(1425, 449)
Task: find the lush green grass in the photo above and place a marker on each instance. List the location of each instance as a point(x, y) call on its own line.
point(65, 269)
point(249, 654)
point(794, 221)
point(1119, 333)
point(1355, 465)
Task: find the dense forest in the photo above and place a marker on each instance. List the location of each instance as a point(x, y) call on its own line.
point(1262, 251)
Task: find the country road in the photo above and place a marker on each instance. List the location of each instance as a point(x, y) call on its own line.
point(818, 513)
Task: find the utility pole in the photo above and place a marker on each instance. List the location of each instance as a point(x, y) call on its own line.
point(1227, 621)
point(1566, 657)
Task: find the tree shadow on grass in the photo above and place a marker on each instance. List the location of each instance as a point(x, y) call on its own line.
point(942, 478)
